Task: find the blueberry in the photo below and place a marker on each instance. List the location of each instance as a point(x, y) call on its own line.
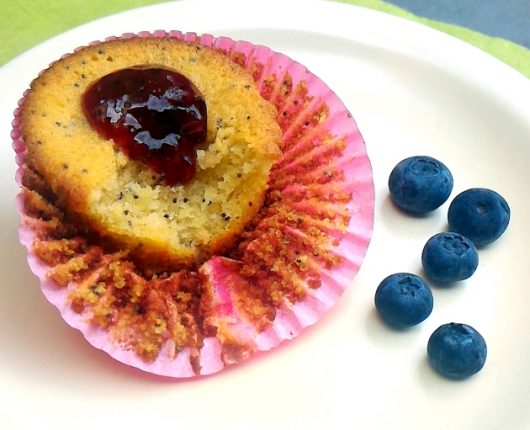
point(449, 257)
point(480, 214)
point(456, 350)
point(420, 184)
point(403, 300)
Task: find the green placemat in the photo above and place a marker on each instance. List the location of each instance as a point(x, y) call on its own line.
point(25, 23)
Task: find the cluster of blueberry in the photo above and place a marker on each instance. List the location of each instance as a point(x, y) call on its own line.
point(476, 217)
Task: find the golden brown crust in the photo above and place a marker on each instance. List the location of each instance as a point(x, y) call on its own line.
point(119, 199)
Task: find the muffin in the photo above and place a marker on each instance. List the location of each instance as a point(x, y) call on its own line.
point(282, 272)
point(122, 200)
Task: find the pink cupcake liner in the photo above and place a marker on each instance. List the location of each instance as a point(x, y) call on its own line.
point(298, 95)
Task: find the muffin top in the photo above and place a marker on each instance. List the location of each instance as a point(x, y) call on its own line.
point(123, 200)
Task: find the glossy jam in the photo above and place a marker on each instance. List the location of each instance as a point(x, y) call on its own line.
point(154, 115)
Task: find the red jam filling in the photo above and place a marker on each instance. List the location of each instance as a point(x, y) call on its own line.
point(154, 115)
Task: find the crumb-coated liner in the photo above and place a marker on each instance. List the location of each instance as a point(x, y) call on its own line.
point(314, 124)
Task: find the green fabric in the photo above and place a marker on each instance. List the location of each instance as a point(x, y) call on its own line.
point(25, 23)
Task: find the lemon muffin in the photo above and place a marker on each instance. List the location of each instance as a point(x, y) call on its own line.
point(161, 218)
point(79, 167)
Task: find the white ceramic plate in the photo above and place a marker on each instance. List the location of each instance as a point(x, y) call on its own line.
point(412, 91)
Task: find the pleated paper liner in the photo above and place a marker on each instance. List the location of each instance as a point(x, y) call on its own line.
point(303, 250)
